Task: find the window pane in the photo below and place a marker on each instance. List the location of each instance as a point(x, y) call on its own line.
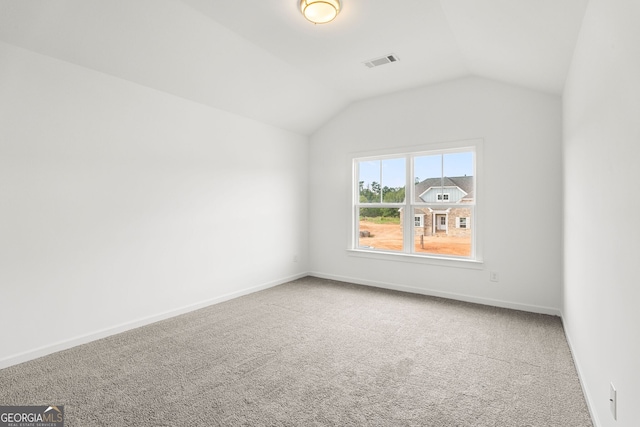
point(393, 180)
point(382, 180)
point(444, 178)
point(380, 228)
point(369, 181)
point(427, 178)
point(458, 177)
point(444, 232)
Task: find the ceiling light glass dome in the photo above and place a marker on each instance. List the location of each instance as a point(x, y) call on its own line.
point(320, 11)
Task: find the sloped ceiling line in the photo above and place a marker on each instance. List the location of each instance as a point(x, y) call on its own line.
point(261, 59)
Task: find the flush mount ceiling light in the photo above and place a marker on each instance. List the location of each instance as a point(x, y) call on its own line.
point(320, 11)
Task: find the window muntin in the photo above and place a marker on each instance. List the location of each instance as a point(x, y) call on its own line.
point(432, 207)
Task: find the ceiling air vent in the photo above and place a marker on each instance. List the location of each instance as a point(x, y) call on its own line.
point(381, 61)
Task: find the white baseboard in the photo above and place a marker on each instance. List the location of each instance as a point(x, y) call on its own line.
point(103, 333)
point(83, 339)
point(66, 344)
point(585, 391)
point(449, 295)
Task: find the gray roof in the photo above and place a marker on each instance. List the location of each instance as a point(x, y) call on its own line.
point(465, 183)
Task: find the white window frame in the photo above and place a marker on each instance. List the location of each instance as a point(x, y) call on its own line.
point(420, 222)
point(467, 221)
point(442, 197)
point(407, 208)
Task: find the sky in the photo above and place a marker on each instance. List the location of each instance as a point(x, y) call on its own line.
point(393, 170)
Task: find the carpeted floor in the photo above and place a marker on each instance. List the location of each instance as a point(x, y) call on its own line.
point(317, 353)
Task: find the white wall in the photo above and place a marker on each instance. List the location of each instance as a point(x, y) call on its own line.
point(120, 204)
point(522, 159)
point(602, 240)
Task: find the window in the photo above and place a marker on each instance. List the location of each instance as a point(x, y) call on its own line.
point(380, 197)
point(462, 222)
point(418, 203)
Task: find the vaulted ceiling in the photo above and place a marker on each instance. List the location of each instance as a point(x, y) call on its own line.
point(261, 59)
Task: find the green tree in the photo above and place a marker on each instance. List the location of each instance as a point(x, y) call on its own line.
point(393, 195)
point(375, 188)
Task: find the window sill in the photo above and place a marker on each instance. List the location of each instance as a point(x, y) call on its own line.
point(473, 264)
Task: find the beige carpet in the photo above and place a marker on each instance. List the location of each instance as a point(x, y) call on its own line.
point(315, 353)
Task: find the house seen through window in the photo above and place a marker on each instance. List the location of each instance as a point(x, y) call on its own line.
point(419, 203)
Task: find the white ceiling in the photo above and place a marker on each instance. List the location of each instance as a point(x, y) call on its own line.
point(261, 59)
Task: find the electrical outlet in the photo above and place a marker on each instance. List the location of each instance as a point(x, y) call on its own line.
point(295, 258)
point(613, 401)
point(493, 276)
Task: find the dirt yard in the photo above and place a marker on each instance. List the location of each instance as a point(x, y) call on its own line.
point(389, 236)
